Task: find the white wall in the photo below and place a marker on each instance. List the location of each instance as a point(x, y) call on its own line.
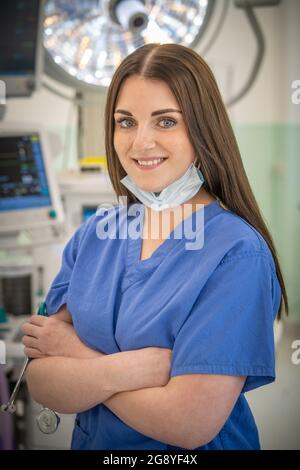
point(269, 98)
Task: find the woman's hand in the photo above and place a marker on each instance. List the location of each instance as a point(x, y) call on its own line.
point(142, 368)
point(47, 336)
point(153, 365)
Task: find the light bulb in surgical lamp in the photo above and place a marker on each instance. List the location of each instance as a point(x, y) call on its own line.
point(131, 14)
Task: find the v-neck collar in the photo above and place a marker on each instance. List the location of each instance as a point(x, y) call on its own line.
point(135, 245)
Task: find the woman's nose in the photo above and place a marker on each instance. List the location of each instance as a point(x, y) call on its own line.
point(143, 139)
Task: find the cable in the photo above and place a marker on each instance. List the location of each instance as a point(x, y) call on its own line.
point(218, 28)
point(80, 128)
point(258, 59)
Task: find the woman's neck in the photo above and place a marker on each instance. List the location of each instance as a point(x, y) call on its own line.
point(164, 221)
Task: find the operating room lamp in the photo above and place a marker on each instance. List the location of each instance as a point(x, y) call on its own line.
point(85, 40)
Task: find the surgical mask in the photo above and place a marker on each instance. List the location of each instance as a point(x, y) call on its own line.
point(173, 195)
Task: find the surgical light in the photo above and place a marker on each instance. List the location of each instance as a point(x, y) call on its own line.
point(86, 40)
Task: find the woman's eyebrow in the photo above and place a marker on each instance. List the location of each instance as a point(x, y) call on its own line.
point(155, 113)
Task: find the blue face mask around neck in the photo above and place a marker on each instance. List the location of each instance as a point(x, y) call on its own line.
point(178, 192)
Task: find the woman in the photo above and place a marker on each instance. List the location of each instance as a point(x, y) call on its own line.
point(162, 336)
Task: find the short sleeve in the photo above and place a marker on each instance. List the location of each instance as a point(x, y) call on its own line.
point(58, 292)
point(230, 328)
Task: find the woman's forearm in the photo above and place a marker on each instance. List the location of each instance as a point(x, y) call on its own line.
point(70, 385)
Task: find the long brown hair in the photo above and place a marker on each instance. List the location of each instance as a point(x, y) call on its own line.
point(210, 131)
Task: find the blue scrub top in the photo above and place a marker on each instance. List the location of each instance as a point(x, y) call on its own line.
point(213, 306)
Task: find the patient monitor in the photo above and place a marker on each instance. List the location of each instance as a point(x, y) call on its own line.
point(29, 195)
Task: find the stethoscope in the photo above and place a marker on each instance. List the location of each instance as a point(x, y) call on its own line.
point(47, 420)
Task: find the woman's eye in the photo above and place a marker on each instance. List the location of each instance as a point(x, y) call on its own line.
point(122, 123)
point(168, 122)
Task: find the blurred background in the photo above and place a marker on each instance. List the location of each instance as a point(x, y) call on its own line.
point(56, 61)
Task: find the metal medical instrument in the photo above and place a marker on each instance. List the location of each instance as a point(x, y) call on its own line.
point(47, 420)
point(10, 405)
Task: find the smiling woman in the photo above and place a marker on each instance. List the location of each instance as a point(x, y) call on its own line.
point(171, 334)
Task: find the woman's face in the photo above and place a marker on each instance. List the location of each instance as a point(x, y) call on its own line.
point(149, 126)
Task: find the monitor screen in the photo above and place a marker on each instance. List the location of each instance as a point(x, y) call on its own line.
point(18, 36)
point(23, 179)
